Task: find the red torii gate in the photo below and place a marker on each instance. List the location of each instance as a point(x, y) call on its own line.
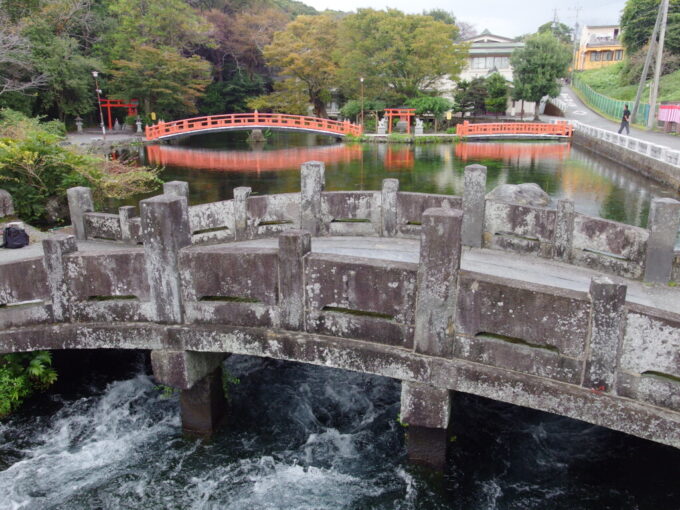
point(118, 103)
point(405, 114)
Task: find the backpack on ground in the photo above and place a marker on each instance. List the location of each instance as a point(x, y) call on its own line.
point(14, 236)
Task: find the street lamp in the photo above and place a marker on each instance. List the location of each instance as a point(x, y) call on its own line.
point(95, 74)
point(362, 102)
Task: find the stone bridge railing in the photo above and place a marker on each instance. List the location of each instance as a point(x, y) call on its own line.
point(554, 233)
point(589, 355)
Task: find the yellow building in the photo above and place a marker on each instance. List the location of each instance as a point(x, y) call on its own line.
point(599, 46)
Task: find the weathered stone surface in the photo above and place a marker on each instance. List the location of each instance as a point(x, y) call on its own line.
point(606, 332)
point(24, 280)
point(564, 229)
point(313, 183)
point(425, 406)
point(125, 215)
point(294, 245)
point(389, 219)
point(351, 212)
point(663, 225)
point(440, 248)
point(427, 447)
point(519, 228)
point(270, 215)
point(182, 369)
point(240, 206)
point(203, 407)
point(473, 205)
point(165, 230)
point(411, 206)
point(102, 226)
point(212, 222)
point(58, 278)
point(6, 204)
point(176, 188)
point(79, 203)
point(528, 193)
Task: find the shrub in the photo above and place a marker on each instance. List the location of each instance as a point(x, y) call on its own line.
point(22, 375)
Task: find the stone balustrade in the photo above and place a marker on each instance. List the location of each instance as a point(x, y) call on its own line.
point(548, 232)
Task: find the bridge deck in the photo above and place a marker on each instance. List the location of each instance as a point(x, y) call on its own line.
point(485, 261)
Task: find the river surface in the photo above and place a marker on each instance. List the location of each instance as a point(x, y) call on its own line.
point(304, 437)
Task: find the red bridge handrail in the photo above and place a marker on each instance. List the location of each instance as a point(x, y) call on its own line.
point(245, 120)
point(515, 128)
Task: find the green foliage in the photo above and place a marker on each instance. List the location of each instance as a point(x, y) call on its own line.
point(227, 381)
point(609, 82)
point(562, 32)
point(22, 375)
point(399, 138)
point(230, 96)
point(166, 391)
point(538, 66)
point(433, 105)
point(398, 55)
point(35, 168)
point(162, 80)
point(470, 96)
point(637, 23)
point(441, 15)
point(352, 108)
point(497, 87)
point(289, 96)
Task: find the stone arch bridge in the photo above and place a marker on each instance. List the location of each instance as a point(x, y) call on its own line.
point(539, 307)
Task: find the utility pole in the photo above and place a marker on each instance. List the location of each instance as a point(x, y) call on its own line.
point(645, 68)
point(651, 121)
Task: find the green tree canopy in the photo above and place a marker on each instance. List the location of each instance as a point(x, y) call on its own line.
point(497, 87)
point(398, 55)
point(470, 96)
point(561, 31)
point(433, 105)
point(538, 66)
point(637, 23)
point(304, 51)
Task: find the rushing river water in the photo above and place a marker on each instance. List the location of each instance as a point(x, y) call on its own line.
point(304, 437)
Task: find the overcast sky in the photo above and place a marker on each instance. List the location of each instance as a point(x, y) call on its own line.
point(501, 17)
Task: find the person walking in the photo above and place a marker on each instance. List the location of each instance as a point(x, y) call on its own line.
point(625, 119)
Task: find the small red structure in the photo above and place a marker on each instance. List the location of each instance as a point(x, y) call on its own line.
point(119, 103)
point(404, 114)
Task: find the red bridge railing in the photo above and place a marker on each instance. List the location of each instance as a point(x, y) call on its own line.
point(514, 128)
point(248, 120)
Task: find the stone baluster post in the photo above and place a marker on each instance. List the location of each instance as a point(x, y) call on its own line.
point(390, 188)
point(79, 203)
point(177, 188)
point(294, 245)
point(125, 214)
point(474, 205)
point(564, 229)
point(241, 195)
point(165, 231)
point(55, 249)
point(607, 322)
point(313, 184)
point(426, 410)
point(440, 249)
point(663, 225)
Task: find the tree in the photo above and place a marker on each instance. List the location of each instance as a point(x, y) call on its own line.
point(441, 15)
point(465, 30)
point(561, 31)
point(470, 96)
point(538, 66)
point(398, 55)
point(637, 23)
point(433, 105)
point(17, 73)
point(289, 96)
point(303, 51)
point(497, 87)
point(161, 79)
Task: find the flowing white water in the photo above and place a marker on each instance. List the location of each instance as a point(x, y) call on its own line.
point(304, 437)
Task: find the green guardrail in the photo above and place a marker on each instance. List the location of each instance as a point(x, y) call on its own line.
point(608, 105)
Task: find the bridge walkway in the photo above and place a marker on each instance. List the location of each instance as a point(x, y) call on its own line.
point(480, 260)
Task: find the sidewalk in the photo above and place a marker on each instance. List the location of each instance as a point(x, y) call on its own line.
point(577, 110)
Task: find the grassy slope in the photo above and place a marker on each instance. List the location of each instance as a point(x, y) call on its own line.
point(606, 81)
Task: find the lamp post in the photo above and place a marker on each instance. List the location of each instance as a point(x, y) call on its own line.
point(95, 74)
point(362, 102)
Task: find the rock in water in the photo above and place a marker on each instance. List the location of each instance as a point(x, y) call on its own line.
point(521, 194)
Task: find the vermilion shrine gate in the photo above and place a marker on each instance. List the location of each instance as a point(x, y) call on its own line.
point(118, 103)
point(403, 114)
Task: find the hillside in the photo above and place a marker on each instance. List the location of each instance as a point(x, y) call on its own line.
point(607, 81)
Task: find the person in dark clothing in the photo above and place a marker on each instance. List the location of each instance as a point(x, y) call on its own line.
point(625, 119)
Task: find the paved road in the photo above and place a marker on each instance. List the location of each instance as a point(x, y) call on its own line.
point(577, 110)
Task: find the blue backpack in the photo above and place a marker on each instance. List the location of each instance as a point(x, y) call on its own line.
point(14, 237)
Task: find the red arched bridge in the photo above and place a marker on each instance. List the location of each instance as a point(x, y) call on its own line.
point(250, 121)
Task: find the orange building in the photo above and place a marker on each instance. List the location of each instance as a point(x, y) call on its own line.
point(599, 46)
